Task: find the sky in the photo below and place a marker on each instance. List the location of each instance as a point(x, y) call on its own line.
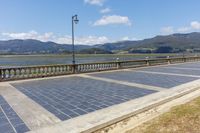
point(100, 21)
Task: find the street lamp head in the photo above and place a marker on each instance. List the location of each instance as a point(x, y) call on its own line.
point(75, 19)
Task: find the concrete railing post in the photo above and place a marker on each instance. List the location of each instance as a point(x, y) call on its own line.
point(168, 60)
point(118, 65)
point(74, 68)
point(184, 59)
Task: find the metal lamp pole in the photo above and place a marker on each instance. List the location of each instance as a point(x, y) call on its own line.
point(74, 21)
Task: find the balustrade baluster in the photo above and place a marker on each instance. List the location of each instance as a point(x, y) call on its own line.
point(9, 73)
point(42, 71)
point(61, 69)
point(14, 73)
point(4, 74)
point(28, 72)
point(39, 71)
point(47, 70)
point(65, 69)
point(54, 70)
point(21, 73)
point(1, 78)
point(25, 73)
point(58, 69)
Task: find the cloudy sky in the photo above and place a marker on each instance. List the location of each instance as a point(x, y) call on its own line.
point(101, 21)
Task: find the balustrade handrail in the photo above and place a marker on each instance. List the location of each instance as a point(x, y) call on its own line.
point(24, 72)
point(139, 60)
point(35, 66)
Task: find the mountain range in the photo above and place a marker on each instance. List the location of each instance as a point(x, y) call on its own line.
point(36, 47)
point(176, 42)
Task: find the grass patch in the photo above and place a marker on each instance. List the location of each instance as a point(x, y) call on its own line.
point(180, 119)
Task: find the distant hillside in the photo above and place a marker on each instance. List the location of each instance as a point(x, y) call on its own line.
point(170, 43)
point(175, 41)
point(191, 40)
point(35, 47)
point(117, 45)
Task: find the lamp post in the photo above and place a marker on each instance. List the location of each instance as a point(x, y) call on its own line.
point(74, 21)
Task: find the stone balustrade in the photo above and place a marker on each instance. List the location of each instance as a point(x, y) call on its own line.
point(15, 73)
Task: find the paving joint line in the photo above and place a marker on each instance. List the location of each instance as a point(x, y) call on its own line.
point(11, 95)
point(184, 68)
point(173, 74)
point(142, 86)
point(8, 119)
point(155, 105)
point(51, 105)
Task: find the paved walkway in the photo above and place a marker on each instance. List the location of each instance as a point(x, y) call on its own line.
point(37, 104)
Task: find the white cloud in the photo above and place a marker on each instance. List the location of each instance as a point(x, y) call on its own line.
point(105, 10)
point(184, 29)
point(113, 19)
point(195, 25)
point(95, 2)
point(126, 38)
point(49, 36)
point(88, 40)
point(167, 30)
point(29, 35)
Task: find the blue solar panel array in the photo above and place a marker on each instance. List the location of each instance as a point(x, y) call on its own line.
point(187, 65)
point(70, 97)
point(166, 81)
point(9, 120)
point(74, 96)
point(174, 70)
